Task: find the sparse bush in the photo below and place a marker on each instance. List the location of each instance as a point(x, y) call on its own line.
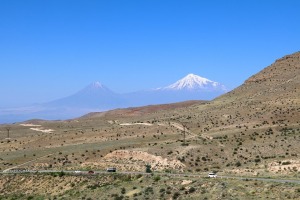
point(119, 197)
point(257, 160)
point(156, 178)
point(123, 190)
point(176, 195)
point(238, 164)
point(192, 189)
point(162, 190)
point(286, 163)
point(61, 174)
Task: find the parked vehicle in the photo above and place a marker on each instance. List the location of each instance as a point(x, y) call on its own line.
point(212, 175)
point(111, 169)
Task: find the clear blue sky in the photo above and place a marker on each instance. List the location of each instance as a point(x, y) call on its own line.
point(53, 48)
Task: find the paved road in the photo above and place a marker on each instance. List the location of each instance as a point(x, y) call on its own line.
point(30, 161)
point(77, 172)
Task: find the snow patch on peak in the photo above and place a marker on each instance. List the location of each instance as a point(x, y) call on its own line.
point(95, 87)
point(96, 84)
point(192, 82)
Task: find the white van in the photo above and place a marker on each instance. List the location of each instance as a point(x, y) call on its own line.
point(212, 175)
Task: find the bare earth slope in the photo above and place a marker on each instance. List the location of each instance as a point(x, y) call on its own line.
point(253, 130)
point(278, 81)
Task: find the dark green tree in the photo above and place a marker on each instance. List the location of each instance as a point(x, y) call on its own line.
point(148, 168)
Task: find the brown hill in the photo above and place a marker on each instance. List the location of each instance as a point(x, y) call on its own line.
point(139, 111)
point(279, 80)
point(254, 129)
point(269, 97)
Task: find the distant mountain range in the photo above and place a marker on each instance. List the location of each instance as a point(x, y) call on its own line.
point(97, 97)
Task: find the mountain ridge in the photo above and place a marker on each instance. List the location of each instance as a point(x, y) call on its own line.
point(97, 97)
point(271, 82)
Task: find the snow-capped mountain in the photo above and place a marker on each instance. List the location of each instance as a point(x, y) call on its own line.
point(93, 96)
point(195, 82)
point(96, 87)
point(97, 97)
point(191, 87)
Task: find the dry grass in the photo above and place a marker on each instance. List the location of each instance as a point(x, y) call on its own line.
point(139, 187)
point(253, 130)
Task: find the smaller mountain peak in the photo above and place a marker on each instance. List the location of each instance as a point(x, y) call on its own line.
point(95, 87)
point(96, 84)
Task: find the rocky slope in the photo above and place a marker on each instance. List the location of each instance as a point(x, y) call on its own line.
point(280, 80)
point(252, 131)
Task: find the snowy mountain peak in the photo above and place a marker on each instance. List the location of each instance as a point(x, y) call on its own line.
point(96, 84)
point(95, 87)
point(194, 82)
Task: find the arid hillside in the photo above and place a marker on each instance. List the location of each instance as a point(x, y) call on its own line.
point(137, 187)
point(253, 130)
point(278, 81)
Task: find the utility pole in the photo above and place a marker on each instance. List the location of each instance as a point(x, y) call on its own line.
point(184, 127)
point(184, 132)
point(8, 129)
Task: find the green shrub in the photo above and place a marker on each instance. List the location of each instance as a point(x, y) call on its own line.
point(286, 163)
point(156, 178)
point(176, 195)
point(123, 190)
point(192, 189)
point(61, 174)
point(238, 164)
point(257, 160)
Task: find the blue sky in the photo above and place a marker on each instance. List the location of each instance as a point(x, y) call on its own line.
point(53, 48)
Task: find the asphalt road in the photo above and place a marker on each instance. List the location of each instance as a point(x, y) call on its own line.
point(77, 172)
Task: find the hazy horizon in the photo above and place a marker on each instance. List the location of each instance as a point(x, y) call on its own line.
point(52, 49)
